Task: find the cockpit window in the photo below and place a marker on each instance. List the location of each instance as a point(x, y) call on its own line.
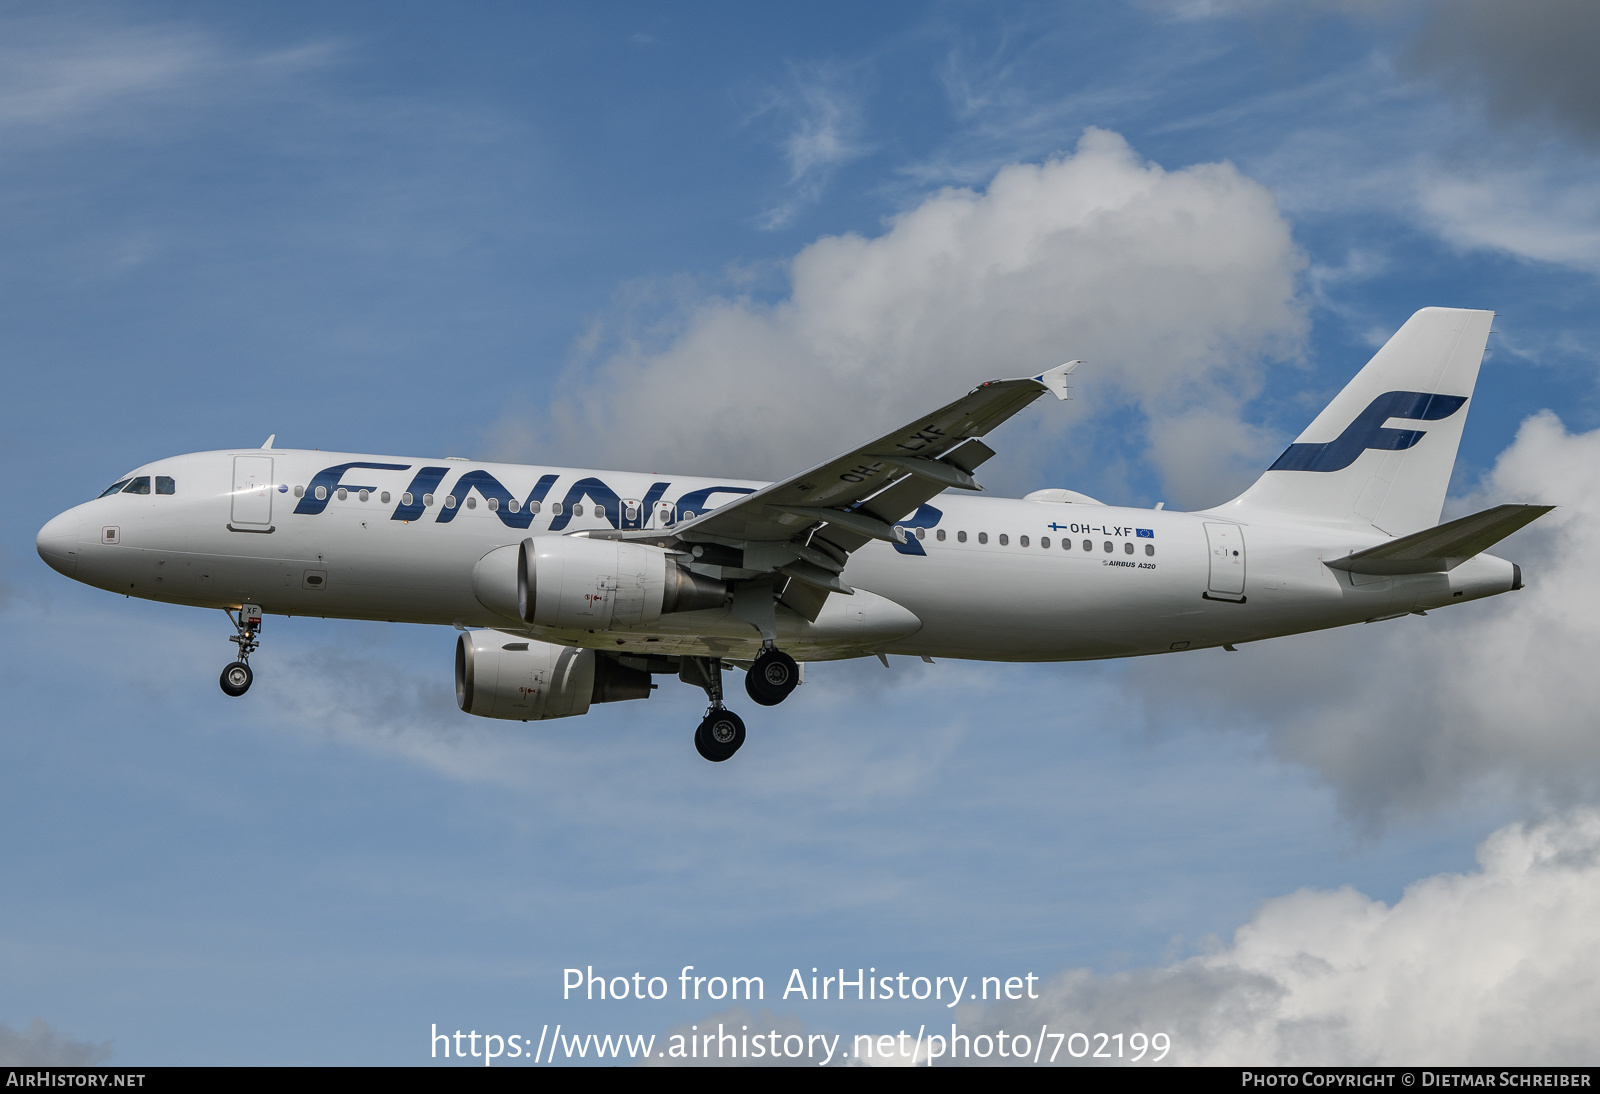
point(140, 485)
point(114, 488)
point(165, 485)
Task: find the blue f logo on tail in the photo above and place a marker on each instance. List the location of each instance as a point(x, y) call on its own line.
point(1368, 431)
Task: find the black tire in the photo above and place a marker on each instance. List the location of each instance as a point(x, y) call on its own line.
point(773, 676)
point(719, 735)
point(236, 679)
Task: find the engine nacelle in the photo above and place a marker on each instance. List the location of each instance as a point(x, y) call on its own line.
point(501, 675)
point(575, 583)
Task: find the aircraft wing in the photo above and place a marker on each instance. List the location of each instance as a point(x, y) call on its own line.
point(806, 526)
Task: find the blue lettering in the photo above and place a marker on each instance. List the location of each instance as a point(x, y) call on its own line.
point(597, 492)
point(328, 478)
point(926, 516)
point(695, 501)
point(426, 482)
point(643, 512)
point(488, 487)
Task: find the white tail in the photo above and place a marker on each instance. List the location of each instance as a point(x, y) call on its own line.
point(1350, 467)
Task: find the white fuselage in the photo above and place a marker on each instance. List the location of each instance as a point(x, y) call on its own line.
point(986, 578)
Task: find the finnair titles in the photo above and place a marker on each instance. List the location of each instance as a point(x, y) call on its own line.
point(573, 587)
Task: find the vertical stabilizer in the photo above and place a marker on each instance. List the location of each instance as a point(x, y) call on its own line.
point(1381, 454)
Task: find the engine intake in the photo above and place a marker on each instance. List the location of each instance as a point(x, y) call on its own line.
point(500, 675)
point(571, 582)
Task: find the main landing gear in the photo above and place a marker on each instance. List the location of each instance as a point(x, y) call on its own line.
point(770, 680)
point(236, 677)
point(773, 676)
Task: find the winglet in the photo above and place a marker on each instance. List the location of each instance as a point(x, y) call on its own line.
point(270, 440)
point(1056, 379)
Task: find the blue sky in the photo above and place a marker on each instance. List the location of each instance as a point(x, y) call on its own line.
point(618, 237)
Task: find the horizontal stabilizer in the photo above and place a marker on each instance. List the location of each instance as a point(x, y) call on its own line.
point(1445, 547)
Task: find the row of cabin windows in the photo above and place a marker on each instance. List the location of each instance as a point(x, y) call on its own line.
point(1044, 541)
point(141, 485)
point(513, 506)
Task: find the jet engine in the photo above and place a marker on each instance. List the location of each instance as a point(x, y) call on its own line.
point(501, 675)
point(571, 582)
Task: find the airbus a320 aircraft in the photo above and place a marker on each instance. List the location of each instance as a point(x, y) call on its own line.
point(575, 587)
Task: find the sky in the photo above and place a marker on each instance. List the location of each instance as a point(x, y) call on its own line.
point(734, 239)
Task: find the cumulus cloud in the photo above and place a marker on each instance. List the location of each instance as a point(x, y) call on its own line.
point(1178, 287)
point(1499, 966)
point(1492, 697)
point(42, 1045)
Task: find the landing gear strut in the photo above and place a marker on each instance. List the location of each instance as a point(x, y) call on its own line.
point(773, 676)
point(721, 731)
point(236, 677)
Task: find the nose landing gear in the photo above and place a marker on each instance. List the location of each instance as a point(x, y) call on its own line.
point(236, 678)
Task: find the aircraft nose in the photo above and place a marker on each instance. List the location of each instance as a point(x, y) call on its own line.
point(57, 543)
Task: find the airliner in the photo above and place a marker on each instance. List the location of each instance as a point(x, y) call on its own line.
point(572, 587)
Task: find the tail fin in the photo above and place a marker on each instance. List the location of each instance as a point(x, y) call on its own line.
point(1350, 467)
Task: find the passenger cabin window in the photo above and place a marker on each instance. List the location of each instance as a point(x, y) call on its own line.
point(1004, 539)
point(961, 537)
point(384, 497)
point(1022, 540)
point(343, 493)
point(921, 534)
point(321, 493)
point(513, 505)
point(494, 505)
point(1127, 548)
point(1088, 545)
point(140, 485)
point(1044, 541)
point(405, 499)
point(939, 535)
point(115, 488)
point(577, 510)
point(1109, 548)
point(299, 491)
point(472, 502)
point(165, 485)
point(555, 508)
point(364, 495)
point(1150, 548)
point(983, 537)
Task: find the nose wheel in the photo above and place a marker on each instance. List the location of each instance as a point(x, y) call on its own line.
point(236, 678)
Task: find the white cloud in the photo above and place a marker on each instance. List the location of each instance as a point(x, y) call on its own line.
point(1175, 286)
point(42, 1045)
point(1522, 212)
point(825, 133)
point(1495, 697)
point(1499, 966)
point(59, 76)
